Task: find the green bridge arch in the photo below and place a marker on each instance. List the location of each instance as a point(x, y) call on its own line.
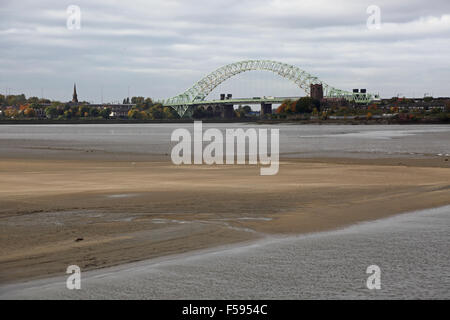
point(202, 88)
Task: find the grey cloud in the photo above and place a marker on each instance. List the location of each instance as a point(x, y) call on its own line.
point(160, 48)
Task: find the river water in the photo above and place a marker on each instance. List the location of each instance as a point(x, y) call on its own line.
point(115, 140)
point(411, 250)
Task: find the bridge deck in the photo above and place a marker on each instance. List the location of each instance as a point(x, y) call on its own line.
point(259, 100)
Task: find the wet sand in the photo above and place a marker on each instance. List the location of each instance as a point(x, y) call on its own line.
point(95, 214)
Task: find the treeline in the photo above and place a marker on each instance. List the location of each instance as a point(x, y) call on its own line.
point(302, 105)
point(68, 111)
point(20, 99)
point(18, 106)
point(241, 112)
point(401, 109)
point(305, 108)
point(146, 109)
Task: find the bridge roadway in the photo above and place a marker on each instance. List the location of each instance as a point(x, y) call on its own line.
point(237, 101)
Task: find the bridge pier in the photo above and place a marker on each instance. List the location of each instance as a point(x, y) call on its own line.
point(266, 108)
point(228, 111)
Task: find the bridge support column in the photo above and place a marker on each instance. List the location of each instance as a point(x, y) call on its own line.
point(266, 108)
point(228, 111)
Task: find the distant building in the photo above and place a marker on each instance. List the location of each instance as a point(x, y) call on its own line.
point(120, 110)
point(75, 97)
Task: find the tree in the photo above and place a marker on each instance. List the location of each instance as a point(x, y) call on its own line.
point(306, 105)
point(16, 100)
point(68, 114)
point(435, 110)
point(29, 112)
point(144, 115)
point(35, 105)
point(240, 113)
point(11, 113)
point(199, 113)
point(23, 107)
point(93, 112)
point(170, 113)
point(156, 112)
point(83, 110)
point(285, 107)
point(51, 112)
point(247, 109)
point(33, 100)
point(134, 114)
point(447, 105)
point(56, 104)
point(137, 100)
point(148, 103)
point(105, 112)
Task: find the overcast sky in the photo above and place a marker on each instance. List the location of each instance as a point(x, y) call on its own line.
point(160, 48)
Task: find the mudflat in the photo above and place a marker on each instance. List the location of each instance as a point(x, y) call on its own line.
point(99, 213)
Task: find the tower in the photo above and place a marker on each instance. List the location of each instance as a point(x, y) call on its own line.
point(316, 91)
point(75, 97)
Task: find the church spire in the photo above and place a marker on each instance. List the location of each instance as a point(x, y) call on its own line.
point(75, 97)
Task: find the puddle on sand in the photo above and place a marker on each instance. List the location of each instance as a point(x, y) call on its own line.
point(171, 221)
point(122, 195)
point(246, 218)
point(128, 219)
point(212, 222)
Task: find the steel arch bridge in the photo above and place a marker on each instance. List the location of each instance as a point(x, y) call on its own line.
point(200, 90)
